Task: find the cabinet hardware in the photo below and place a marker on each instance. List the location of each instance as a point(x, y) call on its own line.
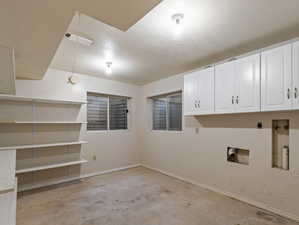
point(296, 92)
point(233, 100)
point(237, 100)
point(198, 104)
point(288, 95)
point(195, 105)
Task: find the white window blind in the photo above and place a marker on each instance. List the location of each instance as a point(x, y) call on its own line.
point(105, 112)
point(118, 113)
point(167, 112)
point(97, 110)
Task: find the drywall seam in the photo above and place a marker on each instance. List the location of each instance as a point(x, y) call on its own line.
point(78, 178)
point(228, 194)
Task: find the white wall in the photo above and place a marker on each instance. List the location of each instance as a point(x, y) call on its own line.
point(112, 149)
point(198, 157)
point(201, 157)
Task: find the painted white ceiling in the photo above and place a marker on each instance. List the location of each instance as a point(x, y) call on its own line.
point(212, 30)
point(34, 28)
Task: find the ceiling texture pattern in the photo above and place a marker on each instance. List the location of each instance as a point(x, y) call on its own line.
point(35, 28)
point(139, 37)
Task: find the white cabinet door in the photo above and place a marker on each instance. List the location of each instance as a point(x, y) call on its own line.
point(248, 84)
point(7, 75)
point(276, 78)
point(190, 94)
point(295, 88)
point(224, 87)
point(205, 82)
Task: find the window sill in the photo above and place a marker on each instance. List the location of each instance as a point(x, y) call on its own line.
point(108, 131)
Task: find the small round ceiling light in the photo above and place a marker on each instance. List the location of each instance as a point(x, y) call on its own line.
point(73, 80)
point(108, 67)
point(178, 18)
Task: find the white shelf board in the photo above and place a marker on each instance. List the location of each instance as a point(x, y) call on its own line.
point(6, 187)
point(39, 100)
point(51, 166)
point(42, 145)
point(41, 122)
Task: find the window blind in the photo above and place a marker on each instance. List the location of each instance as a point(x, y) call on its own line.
point(167, 112)
point(118, 113)
point(175, 112)
point(159, 114)
point(97, 110)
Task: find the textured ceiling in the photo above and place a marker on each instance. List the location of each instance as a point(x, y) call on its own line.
point(150, 50)
point(35, 27)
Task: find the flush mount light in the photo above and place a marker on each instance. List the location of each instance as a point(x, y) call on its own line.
point(79, 39)
point(73, 79)
point(177, 18)
point(108, 67)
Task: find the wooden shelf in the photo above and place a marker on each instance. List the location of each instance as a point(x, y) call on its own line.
point(39, 100)
point(41, 122)
point(51, 166)
point(42, 145)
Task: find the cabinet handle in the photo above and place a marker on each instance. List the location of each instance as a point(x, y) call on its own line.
point(198, 104)
point(288, 95)
point(237, 100)
point(233, 100)
point(296, 92)
point(195, 105)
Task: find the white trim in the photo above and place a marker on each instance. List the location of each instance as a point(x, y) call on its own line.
point(109, 171)
point(45, 184)
point(228, 194)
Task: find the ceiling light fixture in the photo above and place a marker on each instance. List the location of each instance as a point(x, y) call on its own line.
point(178, 19)
point(108, 67)
point(79, 39)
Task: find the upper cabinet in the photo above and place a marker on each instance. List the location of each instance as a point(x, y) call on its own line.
point(237, 85)
point(295, 88)
point(247, 88)
point(7, 73)
point(199, 92)
point(225, 87)
point(276, 79)
point(268, 81)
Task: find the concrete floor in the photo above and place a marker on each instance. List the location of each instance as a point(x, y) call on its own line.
point(136, 197)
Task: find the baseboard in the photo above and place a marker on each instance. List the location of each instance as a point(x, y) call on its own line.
point(76, 178)
point(228, 194)
point(109, 171)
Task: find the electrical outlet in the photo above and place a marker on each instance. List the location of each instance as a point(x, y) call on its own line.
point(94, 157)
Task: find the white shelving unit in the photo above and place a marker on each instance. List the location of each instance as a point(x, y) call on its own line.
point(51, 166)
point(39, 100)
point(42, 145)
point(56, 149)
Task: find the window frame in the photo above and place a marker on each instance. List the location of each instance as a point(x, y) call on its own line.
point(167, 95)
point(108, 112)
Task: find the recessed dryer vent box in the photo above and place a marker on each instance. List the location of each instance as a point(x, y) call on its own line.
point(280, 144)
point(238, 155)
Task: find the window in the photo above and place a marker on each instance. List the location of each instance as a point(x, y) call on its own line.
point(105, 112)
point(167, 112)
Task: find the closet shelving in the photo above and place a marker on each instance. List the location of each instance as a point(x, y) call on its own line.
point(39, 100)
point(50, 166)
point(68, 121)
point(20, 147)
point(42, 122)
